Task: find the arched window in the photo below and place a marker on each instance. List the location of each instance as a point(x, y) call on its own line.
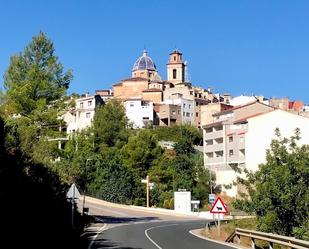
point(174, 73)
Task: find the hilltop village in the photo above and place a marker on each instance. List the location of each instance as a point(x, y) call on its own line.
point(236, 130)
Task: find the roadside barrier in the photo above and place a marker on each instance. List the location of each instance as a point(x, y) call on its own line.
point(271, 238)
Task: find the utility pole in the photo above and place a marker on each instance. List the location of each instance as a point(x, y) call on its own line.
point(147, 191)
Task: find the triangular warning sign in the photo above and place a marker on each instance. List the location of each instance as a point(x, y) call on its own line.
point(73, 192)
point(218, 207)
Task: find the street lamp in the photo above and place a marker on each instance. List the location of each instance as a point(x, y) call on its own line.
point(85, 179)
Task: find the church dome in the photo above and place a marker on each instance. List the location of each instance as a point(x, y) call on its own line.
point(144, 63)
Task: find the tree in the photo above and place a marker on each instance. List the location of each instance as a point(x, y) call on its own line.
point(35, 85)
point(110, 123)
point(179, 132)
point(35, 81)
point(279, 193)
point(140, 151)
point(38, 192)
point(111, 180)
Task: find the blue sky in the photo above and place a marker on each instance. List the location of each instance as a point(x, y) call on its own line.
point(242, 47)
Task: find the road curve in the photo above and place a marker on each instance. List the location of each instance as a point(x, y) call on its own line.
point(127, 228)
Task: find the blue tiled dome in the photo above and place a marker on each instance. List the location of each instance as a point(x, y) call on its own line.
point(144, 63)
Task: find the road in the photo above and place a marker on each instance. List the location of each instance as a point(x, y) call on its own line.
point(123, 227)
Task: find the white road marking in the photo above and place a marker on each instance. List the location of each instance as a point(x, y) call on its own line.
point(95, 237)
point(148, 237)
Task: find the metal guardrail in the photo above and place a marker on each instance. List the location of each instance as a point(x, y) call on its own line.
point(271, 238)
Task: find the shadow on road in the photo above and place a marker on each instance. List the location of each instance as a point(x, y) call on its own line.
point(103, 243)
point(119, 220)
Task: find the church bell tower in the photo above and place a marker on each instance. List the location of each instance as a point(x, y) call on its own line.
point(176, 68)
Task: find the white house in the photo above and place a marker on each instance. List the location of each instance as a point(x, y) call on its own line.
point(82, 115)
point(139, 112)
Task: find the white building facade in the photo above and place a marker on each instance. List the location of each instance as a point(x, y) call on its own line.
point(81, 116)
point(139, 112)
point(243, 143)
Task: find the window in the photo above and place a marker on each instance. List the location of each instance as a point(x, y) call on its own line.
point(231, 139)
point(81, 104)
point(174, 73)
point(90, 103)
point(209, 142)
point(178, 112)
point(88, 115)
point(231, 152)
point(219, 153)
point(242, 152)
point(184, 114)
point(184, 105)
point(173, 112)
point(145, 103)
point(131, 104)
point(208, 130)
point(189, 106)
point(145, 118)
point(187, 114)
point(219, 140)
point(174, 57)
point(218, 128)
point(196, 114)
point(209, 155)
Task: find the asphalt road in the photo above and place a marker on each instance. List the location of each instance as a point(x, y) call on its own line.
point(128, 228)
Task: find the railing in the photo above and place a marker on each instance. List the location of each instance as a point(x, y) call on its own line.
point(269, 237)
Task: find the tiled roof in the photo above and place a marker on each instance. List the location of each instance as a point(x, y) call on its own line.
point(234, 108)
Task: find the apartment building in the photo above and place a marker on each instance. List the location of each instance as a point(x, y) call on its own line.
point(244, 141)
point(224, 140)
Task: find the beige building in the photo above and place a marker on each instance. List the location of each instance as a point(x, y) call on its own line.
point(207, 111)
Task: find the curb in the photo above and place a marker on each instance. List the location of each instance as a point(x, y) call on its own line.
point(195, 233)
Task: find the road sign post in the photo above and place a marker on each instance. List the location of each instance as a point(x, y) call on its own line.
point(218, 208)
point(73, 194)
point(147, 189)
